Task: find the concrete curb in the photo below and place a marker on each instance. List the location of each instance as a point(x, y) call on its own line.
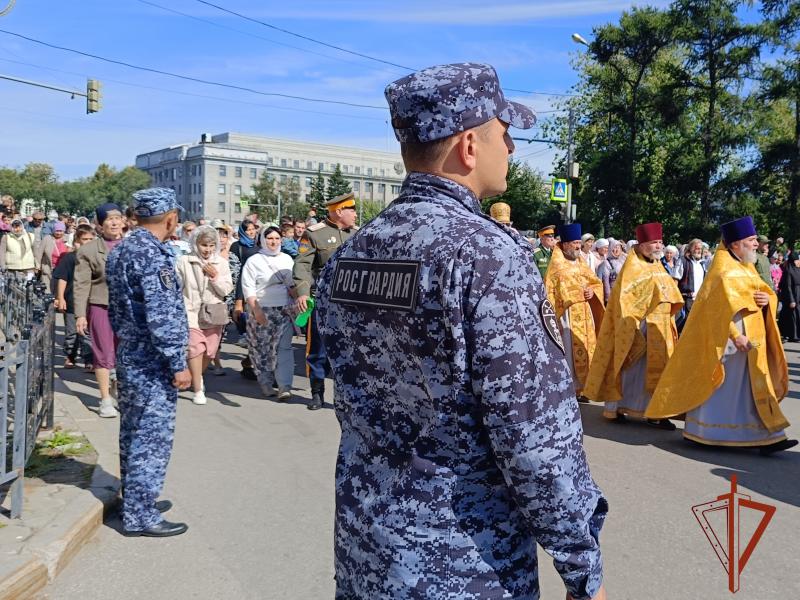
point(45, 546)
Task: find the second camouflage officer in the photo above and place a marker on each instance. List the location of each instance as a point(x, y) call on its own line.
point(461, 443)
point(145, 307)
point(317, 245)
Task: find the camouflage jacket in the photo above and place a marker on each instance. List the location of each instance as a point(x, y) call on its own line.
point(461, 441)
point(145, 305)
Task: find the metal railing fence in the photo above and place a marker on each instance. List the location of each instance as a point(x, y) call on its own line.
point(27, 349)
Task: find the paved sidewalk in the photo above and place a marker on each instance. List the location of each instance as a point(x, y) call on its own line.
point(254, 481)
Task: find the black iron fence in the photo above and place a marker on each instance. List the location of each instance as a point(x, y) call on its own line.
point(27, 346)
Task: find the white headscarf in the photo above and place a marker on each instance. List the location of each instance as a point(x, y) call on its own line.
point(261, 240)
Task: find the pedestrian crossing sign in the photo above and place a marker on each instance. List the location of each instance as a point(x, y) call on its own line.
point(558, 190)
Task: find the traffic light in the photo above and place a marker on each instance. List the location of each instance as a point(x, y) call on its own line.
point(92, 96)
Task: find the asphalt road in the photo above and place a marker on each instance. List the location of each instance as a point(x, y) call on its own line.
point(254, 481)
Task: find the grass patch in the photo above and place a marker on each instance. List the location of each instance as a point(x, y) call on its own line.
point(51, 454)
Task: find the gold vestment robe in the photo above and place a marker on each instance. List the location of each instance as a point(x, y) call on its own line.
point(643, 291)
point(696, 371)
point(564, 282)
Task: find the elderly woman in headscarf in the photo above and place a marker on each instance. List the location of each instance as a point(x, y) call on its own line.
point(49, 252)
point(610, 267)
point(268, 289)
point(17, 251)
point(789, 295)
point(206, 280)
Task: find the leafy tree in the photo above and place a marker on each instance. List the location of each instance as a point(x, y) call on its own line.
point(337, 184)
point(368, 209)
point(316, 198)
point(527, 196)
point(264, 198)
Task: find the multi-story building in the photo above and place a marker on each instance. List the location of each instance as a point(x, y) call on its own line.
point(214, 178)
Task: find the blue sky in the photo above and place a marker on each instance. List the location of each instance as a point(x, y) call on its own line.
point(528, 42)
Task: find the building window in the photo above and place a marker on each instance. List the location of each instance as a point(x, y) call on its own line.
point(283, 179)
point(238, 171)
point(174, 172)
point(368, 187)
point(395, 189)
point(296, 179)
point(237, 208)
point(309, 165)
point(358, 170)
point(296, 164)
point(369, 172)
point(222, 170)
point(180, 189)
point(237, 190)
point(356, 186)
point(270, 162)
point(253, 173)
point(382, 188)
point(252, 190)
point(221, 207)
point(199, 188)
point(383, 172)
point(221, 189)
point(309, 181)
point(283, 162)
point(346, 168)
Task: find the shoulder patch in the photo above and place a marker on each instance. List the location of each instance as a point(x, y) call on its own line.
point(167, 277)
point(303, 246)
point(390, 284)
point(548, 315)
point(316, 226)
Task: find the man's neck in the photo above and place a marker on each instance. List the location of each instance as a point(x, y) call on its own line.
point(158, 232)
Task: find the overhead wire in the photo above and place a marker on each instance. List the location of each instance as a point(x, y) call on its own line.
point(341, 49)
point(248, 33)
point(195, 95)
point(188, 77)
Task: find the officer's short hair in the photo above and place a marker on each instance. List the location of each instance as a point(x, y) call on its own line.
point(156, 218)
point(427, 153)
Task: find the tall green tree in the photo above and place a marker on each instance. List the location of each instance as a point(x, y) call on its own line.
point(719, 54)
point(527, 196)
point(264, 199)
point(316, 198)
point(337, 184)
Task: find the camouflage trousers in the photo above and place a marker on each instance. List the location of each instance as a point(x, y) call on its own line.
point(271, 346)
point(147, 403)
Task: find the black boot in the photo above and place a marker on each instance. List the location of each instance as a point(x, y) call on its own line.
point(317, 394)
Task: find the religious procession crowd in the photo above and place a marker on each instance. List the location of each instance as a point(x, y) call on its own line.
point(659, 332)
point(244, 278)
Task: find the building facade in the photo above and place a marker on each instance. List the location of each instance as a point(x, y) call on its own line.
point(215, 177)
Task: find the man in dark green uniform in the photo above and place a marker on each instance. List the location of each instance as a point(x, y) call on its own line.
point(317, 245)
point(547, 241)
point(762, 260)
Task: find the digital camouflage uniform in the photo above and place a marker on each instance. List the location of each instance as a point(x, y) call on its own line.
point(461, 441)
point(147, 313)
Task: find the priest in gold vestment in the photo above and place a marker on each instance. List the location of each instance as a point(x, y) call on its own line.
point(638, 333)
point(729, 370)
point(576, 294)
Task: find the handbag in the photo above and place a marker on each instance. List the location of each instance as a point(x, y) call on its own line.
point(211, 314)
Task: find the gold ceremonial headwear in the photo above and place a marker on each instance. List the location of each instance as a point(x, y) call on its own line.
point(547, 230)
point(347, 200)
point(500, 212)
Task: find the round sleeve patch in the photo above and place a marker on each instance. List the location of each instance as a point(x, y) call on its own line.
point(550, 322)
point(167, 277)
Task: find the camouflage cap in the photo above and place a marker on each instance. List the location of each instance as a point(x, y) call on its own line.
point(440, 101)
point(155, 201)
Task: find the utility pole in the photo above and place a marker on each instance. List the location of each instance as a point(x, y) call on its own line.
point(570, 134)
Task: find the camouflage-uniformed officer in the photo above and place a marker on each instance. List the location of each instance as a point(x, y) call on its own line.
point(461, 438)
point(317, 245)
point(542, 254)
point(147, 313)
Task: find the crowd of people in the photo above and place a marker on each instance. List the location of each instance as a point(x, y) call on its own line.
point(236, 284)
point(626, 313)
